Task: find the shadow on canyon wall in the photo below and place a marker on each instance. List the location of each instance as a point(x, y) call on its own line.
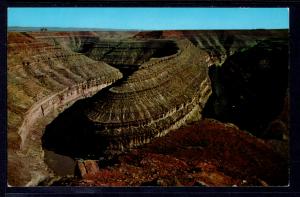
point(250, 87)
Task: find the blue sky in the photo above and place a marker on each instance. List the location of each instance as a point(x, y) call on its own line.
point(151, 18)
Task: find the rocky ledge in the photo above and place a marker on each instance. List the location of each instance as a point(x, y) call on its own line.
point(194, 155)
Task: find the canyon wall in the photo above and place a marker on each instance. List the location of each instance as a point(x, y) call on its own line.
point(250, 87)
point(43, 80)
point(219, 44)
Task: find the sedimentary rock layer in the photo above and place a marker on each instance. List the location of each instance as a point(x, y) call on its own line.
point(127, 52)
point(157, 97)
point(44, 78)
point(219, 44)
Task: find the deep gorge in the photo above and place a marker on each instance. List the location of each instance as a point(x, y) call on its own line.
point(250, 87)
point(71, 126)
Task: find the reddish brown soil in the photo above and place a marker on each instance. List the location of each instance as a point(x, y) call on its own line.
point(207, 153)
point(15, 37)
point(173, 34)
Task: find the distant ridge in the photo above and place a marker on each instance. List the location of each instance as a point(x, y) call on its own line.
point(20, 29)
point(33, 29)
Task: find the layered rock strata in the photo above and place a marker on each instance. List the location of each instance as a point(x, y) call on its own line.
point(219, 44)
point(127, 52)
point(162, 95)
point(43, 80)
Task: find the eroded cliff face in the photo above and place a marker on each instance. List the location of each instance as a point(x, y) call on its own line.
point(154, 99)
point(44, 78)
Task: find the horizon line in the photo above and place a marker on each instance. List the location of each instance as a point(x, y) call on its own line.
point(124, 29)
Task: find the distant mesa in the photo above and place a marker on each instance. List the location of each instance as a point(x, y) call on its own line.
point(43, 29)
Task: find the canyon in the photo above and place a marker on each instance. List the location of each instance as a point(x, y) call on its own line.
point(90, 95)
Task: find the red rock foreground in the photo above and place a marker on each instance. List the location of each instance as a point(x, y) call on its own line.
point(207, 153)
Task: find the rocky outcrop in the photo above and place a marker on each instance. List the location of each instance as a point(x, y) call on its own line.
point(153, 100)
point(87, 167)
